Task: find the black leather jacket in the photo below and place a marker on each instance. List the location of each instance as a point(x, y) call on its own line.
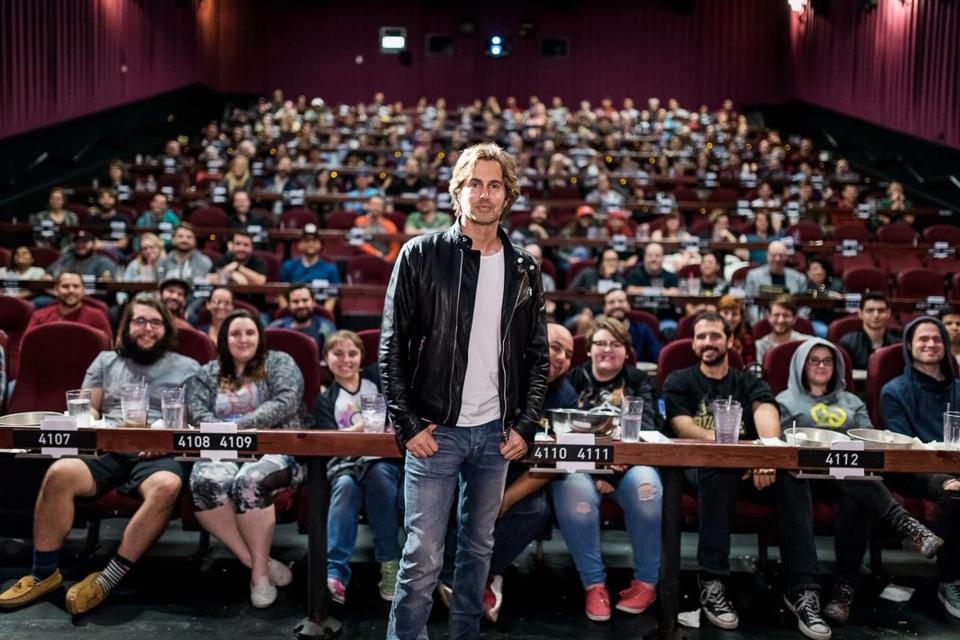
point(426, 331)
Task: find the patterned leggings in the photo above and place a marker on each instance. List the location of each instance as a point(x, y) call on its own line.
point(251, 486)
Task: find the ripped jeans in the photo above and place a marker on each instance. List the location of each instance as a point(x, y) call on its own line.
point(249, 487)
point(576, 502)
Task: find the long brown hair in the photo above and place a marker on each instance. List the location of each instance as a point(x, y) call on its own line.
point(463, 170)
point(255, 369)
point(122, 341)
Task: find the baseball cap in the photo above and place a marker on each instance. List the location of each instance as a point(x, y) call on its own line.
point(82, 234)
point(310, 229)
point(176, 282)
point(584, 210)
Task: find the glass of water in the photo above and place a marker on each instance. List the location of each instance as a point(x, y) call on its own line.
point(373, 411)
point(951, 429)
point(726, 421)
point(133, 405)
point(631, 418)
point(78, 406)
point(172, 407)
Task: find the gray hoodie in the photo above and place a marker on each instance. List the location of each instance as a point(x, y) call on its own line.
point(837, 409)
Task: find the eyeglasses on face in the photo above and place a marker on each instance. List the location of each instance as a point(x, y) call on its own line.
point(608, 344)
point(141, 322)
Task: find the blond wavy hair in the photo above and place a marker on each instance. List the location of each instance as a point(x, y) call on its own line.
point(463, 170)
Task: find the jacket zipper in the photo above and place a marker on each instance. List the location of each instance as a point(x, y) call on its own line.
point(423, 341)
point(453, 361)
point(503, 366)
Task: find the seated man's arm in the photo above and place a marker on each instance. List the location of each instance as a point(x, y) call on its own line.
point(685, 427)
point(767, 419)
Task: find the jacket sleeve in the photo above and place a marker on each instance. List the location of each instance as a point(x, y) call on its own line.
point(536, 357)
point(284, 395)
point(399, 311)
point(202, 396)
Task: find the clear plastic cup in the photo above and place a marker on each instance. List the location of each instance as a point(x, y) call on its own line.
point(373, 411)
point(631, 418)
point(78, 406)
point(951, 429)
point(172, 407)
point(133, 405)
point(726, 421)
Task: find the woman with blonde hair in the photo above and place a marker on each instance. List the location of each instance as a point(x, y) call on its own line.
point(143, 268)
point(238, 177)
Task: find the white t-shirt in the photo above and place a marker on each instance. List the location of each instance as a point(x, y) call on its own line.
point(481, 388)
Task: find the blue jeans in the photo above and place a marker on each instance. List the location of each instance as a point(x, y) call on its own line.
point(378, 490)
point(576, 502)
point(471, 457)
point(513, 532)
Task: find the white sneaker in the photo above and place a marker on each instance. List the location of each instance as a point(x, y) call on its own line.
point(280, 574)
point(262, 595)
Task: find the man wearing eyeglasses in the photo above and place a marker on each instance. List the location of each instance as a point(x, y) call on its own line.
point(142, 356)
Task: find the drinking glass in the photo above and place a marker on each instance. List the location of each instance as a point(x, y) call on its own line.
point(951, 429)
point(133, 405)
point(631, 418)
point(172, 407)
point(78, 406)
point(726, 421)
point(373, 410)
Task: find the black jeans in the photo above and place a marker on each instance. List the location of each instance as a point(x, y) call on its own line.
point(718, 489)
point(946, 517)
point(858, 504)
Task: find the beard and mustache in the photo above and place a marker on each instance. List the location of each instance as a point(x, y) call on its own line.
point(143, 356)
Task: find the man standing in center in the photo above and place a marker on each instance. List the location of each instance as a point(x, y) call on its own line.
point(463, 360)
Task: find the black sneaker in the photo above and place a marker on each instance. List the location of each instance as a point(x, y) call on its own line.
point(716, 606)
point(806, 606)
point(838, 609)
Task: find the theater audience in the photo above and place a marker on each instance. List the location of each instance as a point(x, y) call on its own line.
point(689, 393)
point(365, 481)
point(184, 261)
point(69, 292)
point(773, 279)
point(83, 259)
point(143, 355)
point(783, 320)
point(606, 378)
point(873, 333)
point(301, 306)
point(23, 267)
point(816, 396)
point(145, 266)
point(913, 404)
point(257, 389)
point(374, 222)
point(239, 265)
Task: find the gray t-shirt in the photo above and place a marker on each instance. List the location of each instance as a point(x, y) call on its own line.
point(109, 372)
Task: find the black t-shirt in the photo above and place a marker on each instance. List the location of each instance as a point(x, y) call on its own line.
point(255, 263)
point(639, 277)
point(689, 393)
point(630, 381)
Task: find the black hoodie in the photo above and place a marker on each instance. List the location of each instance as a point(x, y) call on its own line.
point(913, 403)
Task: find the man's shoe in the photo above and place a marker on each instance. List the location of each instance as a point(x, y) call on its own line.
point(388, 579)
point(806, 606)
point(27, 589)
point(493, 598)
point(598, 603)
point(263, 594)
point(927, 541)
point(838, 609)
point(280, 574)
point(338, 591)
point(949, 594)
point(636, 598)
point(85, 595)
point(716, 606)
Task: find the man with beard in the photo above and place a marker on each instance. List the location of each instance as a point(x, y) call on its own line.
point(240, 266)
point(69, 292)
point(143, 354)
point(689, 393)
point(81, 258)
point(645, 344)
point(301, 305)
point(174, 294)
point(184, 261)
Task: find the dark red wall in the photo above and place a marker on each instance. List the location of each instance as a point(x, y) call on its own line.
point(898, 65)
point(732, 48)
point(60, 59)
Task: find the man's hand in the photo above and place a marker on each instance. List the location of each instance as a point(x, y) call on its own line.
point(515, 447)
point(423, 445)
point(604, 488)
point(762, 478)
point(953, 484)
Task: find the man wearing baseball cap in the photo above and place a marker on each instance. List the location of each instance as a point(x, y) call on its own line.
point(309, 266)
point(82, 259)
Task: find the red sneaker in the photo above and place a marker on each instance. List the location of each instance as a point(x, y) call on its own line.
point(598, 603)
point(493, 598)
point(636, 598)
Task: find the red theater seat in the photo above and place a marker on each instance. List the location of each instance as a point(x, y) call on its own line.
point(195, 344)
point(298, 218)
point(920, 283)
point(14, 317)
point(863, 280)
point(942, 233)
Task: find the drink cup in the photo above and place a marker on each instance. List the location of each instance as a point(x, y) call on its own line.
point(631, 418)
point(172, 407)
point(78, 406)
point(133, 405)
point(726, 421)
point(373, 411)
point(951, 429)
